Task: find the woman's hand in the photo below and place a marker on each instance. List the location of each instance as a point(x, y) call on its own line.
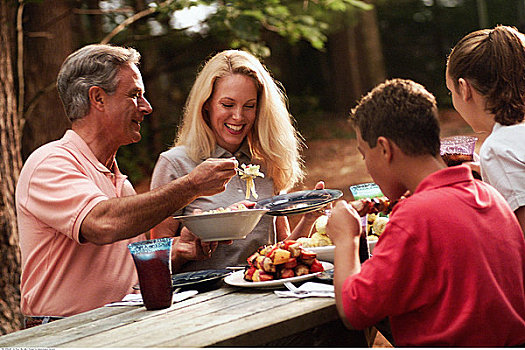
point(189, 247)
point(305, 225)
point(313, 215)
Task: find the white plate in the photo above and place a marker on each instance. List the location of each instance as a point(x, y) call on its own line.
point(371, 245)
point(237, 279)
point(325, 253)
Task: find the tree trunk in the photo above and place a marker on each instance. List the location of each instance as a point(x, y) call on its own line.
point(48, 41)
point(357, 60)
point(373, 71)
point(10, 317)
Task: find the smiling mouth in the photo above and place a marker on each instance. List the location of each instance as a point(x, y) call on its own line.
point(235, 128)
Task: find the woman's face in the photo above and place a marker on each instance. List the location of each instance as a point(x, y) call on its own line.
point(232, 109)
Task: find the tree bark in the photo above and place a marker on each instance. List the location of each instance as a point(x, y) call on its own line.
point(357, 60)
point(10, 317)
point(48, 41)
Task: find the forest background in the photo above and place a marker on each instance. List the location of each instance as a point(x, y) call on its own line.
point(326, 54)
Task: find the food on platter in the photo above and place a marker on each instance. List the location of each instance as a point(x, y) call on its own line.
point(379, 225)
point(368, 199)
point(375, 226)
point(281, 260)
point(318, 238)
point(249, 173)
point(372, 238)
point(234, 207)
point(375, 205)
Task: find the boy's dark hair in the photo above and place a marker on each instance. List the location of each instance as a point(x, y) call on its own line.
point(402, 111)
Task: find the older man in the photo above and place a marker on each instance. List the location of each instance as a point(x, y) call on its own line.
point(76, 211)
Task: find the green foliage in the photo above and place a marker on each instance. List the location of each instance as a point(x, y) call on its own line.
point(243, 22)
point(418, 35)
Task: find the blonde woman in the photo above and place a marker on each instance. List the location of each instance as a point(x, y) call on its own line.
point(234, 110)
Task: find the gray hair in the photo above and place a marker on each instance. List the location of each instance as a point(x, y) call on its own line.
point(92, 65)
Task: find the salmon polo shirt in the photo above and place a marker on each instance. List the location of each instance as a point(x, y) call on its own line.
point(58, 186)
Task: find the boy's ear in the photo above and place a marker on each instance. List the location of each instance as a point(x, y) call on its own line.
point(97, 97)
point(386, 147)
point(465, 89)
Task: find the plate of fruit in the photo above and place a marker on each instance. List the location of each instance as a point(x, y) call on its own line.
point(272, 265)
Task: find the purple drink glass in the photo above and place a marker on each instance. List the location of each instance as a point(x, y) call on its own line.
point(458, 149)
point(153, 263)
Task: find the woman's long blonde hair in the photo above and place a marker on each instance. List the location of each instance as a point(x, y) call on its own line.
point(273, 139)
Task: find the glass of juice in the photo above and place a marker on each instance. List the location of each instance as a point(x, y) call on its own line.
point(153, 263)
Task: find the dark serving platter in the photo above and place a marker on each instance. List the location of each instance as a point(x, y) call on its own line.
point(205, 279)
point(298, 202)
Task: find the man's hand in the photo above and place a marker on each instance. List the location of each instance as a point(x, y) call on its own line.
point(211, 176)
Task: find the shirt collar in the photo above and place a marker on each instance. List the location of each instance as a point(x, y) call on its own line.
point(242, 152)
point(82, 146)
point(496, 127)
point(445, 177)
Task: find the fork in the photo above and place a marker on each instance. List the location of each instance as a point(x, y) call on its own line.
point(294, 289)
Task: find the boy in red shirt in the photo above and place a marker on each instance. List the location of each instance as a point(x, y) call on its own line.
point(448, 270)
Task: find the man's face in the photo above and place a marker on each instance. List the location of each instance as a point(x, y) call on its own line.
point(126, 108)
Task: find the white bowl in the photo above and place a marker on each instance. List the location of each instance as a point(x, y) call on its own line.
point(371, 245)
point(223, 226)
point(325, 253)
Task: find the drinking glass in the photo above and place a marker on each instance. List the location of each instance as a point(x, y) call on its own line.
point(153, 263)
point(458, 149)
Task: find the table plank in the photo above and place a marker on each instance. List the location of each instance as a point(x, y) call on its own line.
point(179, 324)
point(229, 316)
point(264, 325)
point(92, 322)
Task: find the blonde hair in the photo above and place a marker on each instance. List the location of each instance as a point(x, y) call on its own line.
point(273, 140)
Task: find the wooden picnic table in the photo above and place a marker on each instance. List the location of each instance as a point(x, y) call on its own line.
point(227, 316)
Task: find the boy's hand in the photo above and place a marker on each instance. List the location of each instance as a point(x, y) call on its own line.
point(344, 223)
